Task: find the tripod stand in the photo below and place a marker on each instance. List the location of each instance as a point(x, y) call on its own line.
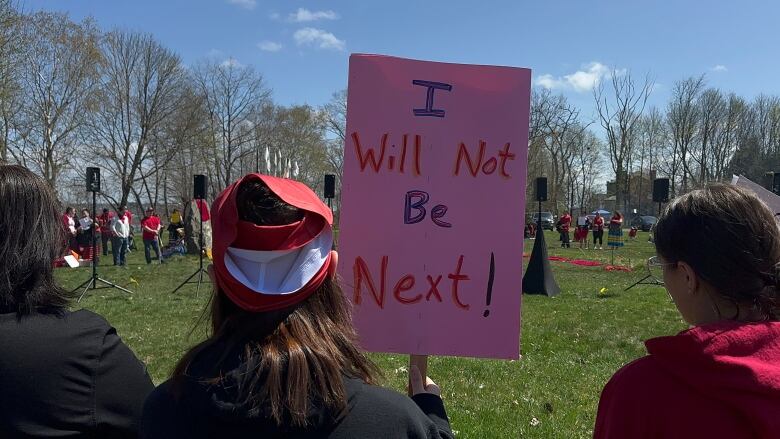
point(200, 270)
point(644, 281)
point(94, 280)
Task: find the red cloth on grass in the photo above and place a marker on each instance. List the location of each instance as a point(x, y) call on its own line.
point(617, 268)
point(558, 258)
point(714, 381)
point(585, 262)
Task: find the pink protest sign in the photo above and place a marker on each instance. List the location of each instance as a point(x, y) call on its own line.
point(431, 230)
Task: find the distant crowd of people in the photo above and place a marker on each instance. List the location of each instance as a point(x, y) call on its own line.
point(585, 224)
point(117, 229)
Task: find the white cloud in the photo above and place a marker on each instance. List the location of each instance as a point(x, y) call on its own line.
point(231, 62)
point(589, 76)
point(246, 4)
point(720, 68)
point(304, 15)
point(269, 46)
point(274, 16)
point(309, 36)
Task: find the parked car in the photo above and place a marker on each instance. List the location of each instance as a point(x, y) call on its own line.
point(644, 223)
point(548, 220)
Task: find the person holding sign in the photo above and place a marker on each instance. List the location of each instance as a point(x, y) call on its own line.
point(282, 358)
point(721, 378)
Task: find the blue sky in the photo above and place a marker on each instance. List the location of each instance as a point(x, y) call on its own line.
point(302, 47)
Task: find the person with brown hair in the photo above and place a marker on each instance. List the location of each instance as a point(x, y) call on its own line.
point(62, 373)
point(282, 358)
point(718, 255)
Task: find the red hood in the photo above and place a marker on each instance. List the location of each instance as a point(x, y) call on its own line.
point(735, 363)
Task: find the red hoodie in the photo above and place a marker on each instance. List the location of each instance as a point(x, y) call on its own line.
point(714, 381)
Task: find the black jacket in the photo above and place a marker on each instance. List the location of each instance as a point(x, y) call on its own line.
point(68, 376)
point(210, 411)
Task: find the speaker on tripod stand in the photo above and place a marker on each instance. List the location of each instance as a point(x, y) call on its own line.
point(538, 277)
point(199, 195)
point(95, 281)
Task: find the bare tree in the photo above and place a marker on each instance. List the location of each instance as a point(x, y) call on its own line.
point(233, 95)
point(586, 166)
point(557, 124)
point(335, 114)
point(712, 110)
point(11, 48)
point(735, 125)
point(58, 78)
point(652, 139)
point(140, 91)
point(618, 115)
point(683, 119)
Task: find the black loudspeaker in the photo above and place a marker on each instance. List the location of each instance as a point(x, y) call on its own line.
point(661, 190)
point(330, 186)
point(93, 179)
point(541, 189)
point(776, 183)
point(199, 187)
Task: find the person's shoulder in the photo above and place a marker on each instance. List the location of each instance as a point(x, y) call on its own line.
point(380, 404)
point(162, 418)
point(87, 319)
point(159, 401)
point(641, 376)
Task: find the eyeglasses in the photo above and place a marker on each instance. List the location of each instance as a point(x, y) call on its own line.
point(656, 268)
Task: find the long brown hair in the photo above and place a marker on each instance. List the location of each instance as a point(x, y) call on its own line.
point(32, 236)
point(731, 240)
point(294, 357)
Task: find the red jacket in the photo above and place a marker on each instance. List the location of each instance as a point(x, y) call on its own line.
point(714, 381)
point(565, 223)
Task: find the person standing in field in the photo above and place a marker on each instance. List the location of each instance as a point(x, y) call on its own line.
point(120, 230)
point(721, 377)
point(150, 225)
point(85, 230)
point(104, 226)
point(69, 224)
point(615, 236)
point(581, 233)
point(564, 225)
point(282, 358)
point(598, 231)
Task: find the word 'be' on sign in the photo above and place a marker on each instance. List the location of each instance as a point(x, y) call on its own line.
point(431, 230)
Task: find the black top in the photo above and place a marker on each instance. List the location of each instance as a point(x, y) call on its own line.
point(68, 376)
point(211, 411)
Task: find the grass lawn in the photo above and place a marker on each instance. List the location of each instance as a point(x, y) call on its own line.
point(571, 344)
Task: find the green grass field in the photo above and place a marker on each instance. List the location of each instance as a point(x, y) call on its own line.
point(571, 344)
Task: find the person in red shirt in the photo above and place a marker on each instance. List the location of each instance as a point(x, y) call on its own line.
point(69, 224)
point(598, 231)
point(151, 231)
point(564, 224)
point(721, 377)
point(104, 228)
